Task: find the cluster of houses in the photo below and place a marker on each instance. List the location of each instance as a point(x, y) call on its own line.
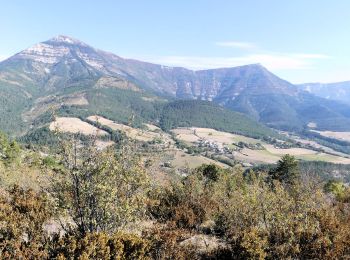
point(216, 147)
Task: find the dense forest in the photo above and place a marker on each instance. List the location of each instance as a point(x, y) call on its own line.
point(86, 203)
point(188, 113)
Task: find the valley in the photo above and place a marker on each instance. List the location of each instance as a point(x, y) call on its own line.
point(249, 150)
point(190, 147)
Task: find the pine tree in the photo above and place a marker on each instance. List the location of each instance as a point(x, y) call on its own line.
point(287, 170)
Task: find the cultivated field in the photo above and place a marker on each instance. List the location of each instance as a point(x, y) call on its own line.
point(181, 159)
point(324, 157)
point(75, 125)
point(344, 136)
point(270, 154)
point(292, 151)
point(314, 144)
point(256, 156)
point(134, 133)
point(193, 134)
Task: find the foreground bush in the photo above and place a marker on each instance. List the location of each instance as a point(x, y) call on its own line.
point(258, 217)
point(98, 190)
point(253, 215)
point(23, 214)
point(99, 246)
point(189, 202)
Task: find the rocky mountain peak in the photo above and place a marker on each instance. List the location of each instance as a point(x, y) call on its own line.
point(59, 39)
point(58, 49)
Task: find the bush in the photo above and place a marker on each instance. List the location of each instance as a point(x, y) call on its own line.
point(100, 246)
point(97, 189)
point(165, 243)
point(23, 214)
point(9, 150)
point(339, 190)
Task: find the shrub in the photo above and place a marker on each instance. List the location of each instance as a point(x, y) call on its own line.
point(23, 214)
point(100, 246)
point(97, 189)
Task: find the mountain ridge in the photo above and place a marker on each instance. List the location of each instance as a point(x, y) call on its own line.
point(339, 91)
point(64, 64)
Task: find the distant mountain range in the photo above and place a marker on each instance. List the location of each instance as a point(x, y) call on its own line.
point(337, 91)
point(72, 77)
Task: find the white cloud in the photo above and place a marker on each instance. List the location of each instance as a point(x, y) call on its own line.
point(236, 44)
point(334, 76)
point(272, 61)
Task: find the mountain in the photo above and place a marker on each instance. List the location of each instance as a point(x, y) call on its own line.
point(337, 91)
point(68, 76)
point(255, 91)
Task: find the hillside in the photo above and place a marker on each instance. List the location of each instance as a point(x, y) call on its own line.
point(129, 108)
point(67, 77)
point(205, 114)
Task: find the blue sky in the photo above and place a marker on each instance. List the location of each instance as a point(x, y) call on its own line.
point(299, 40)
